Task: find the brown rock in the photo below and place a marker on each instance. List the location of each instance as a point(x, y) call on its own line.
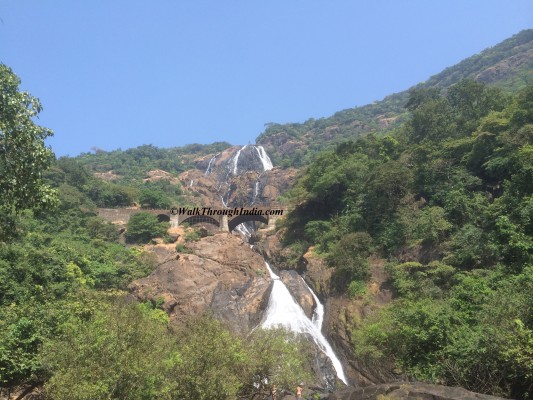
point(159, 174)
point(409, 391)
point(299, 291)
point(223, 275)
point(343, 316)
point(318, 275)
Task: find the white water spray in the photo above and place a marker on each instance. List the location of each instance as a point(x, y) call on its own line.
point(208, 170)
point(283, 310)
point(256, 191)
point(318, 315)
point(244, 231)
point(236, 159)
point(223, 202)
point(265, 159)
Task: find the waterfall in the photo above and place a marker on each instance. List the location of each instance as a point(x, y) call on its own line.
point(283, 310)
point(256, 191)
point(236, 159)
point(261, 153)
point(265, 159)
point(223, 202)
point(208, 170)
point(318, 316)
point(244, 231)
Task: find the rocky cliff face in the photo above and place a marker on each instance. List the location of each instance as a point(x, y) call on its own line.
point(236, 176)
point(222, 275)
point(342, 314)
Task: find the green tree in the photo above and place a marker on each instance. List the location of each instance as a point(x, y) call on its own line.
point(277, 357)
point(431, 225)
point(153, 198)
point(349, 256)
point(23, 155)
point(213, 361)
point(144, 226)
point(120, 351)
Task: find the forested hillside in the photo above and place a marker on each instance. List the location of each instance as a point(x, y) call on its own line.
point(435, 182)
point(447, 201)
point(508, 65)
point(68, 328)
point(134, 164)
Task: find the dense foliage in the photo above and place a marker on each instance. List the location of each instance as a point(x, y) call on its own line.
point(447, 199)
point(55, 255)
point(144, 226)
point(66, 324)
point(23, 155)
point(134, 164)
point(111, 348)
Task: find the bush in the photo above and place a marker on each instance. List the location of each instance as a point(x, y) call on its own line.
point(119, 352)
point(144, 226)
point(196, 233)
point(349, 256)
point(181, 248)
point(356, 289)
point(218, 365)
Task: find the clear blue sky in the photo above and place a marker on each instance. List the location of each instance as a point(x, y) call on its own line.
point(121, 73)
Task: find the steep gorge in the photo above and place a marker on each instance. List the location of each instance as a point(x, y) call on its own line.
point(226, 276)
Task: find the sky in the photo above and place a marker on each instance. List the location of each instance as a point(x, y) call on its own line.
point(121, 73)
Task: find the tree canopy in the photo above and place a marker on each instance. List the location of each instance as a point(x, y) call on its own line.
point(23, 154)
point(446, 202)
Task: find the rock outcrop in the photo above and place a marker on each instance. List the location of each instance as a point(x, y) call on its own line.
point(222, 275)
point(408, 391)
point(236, 176)
point(299, 291)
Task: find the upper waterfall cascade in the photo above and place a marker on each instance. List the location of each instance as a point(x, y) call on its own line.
point(265, 159)
point(261, 154)
point(285, 311)
point(235, 159)
point(208, 170)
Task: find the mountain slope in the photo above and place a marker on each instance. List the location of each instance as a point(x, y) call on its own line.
point(508, 65)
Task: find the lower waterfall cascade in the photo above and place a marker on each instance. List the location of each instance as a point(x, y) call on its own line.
point(282, 309)
point(285, 311)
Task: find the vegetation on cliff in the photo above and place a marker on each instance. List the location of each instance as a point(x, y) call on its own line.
point(447, 200)
point(66, 321)
point(442, 188)
point(508, 65)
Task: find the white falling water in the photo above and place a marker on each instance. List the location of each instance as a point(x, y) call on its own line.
point(223, 202)
point(244, 231)
point(265, 159)
point(262, 154)
point(208, 170)
point(283, 310)
point(318, 316)
point(236, 159)
point(256, 191)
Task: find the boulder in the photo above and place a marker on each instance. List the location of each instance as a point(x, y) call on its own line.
point(222, 275)
point(299, 291)
point(408, 391)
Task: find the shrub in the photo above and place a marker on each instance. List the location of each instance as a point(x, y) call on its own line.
point(356, 288)
point(181, 248)
point(349, 256)
point(120, 351)
point(144, 226)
